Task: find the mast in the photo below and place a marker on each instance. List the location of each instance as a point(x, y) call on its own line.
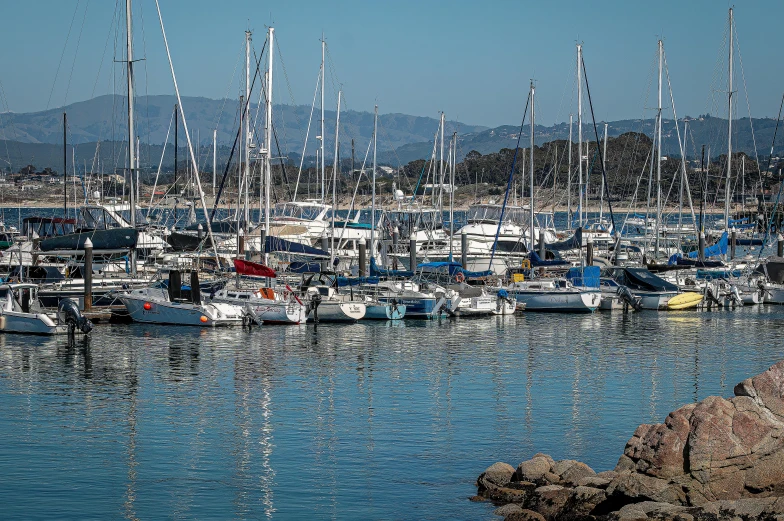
point(531, 173)
point(334, 183)
point(268, 146)
point(729, 135)
point(452, 161)
point(373, 187)
point(441, 170)
point(65, 166)
point(323, 48)
point(580, 133)
point(214, 158)
point(604, 167)
point(569, 178)
point(176, 146)
point(131, 132)
point(246, 114)
point(658, 153)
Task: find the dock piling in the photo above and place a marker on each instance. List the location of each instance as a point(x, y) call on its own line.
point(88, 275)
point(362, 257)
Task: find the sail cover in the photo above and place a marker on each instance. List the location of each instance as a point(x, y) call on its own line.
point(272, 243)
point(720, 248)
point(255, 269)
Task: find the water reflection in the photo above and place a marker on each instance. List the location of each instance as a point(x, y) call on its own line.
point(368, 420)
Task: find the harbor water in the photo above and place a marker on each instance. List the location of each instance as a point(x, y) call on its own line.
point(364, 421)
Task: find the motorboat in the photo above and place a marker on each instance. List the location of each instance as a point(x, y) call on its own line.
point(21, 312)
point(653, 291)
point(169, 302)
point(326, 304)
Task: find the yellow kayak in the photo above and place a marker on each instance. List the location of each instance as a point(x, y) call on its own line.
point(685, 300)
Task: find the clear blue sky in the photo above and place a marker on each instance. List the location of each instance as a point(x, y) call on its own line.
point(471, 59)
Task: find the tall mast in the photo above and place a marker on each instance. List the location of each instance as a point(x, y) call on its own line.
point(214, 158)
point(452, 161)
point(604, 168)
point(569, 177)
point(335, 166)
point(268, 145)
point(441, 169)
point(176, 146)
point(580, 133)
point(531, 173)
point(373, 187)
point(658, 151)
point(131, 132)
point(729, 135)
point(65, 166)
point(246, 113)
point(323, 48)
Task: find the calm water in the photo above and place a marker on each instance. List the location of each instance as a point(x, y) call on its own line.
point(363, 421)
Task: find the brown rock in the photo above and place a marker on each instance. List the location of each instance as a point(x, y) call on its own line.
point(507, 510)
point(563, 465)
point(532, 469)
point(576, 472)
point(551, 479)
point(499, 473)
point(549, 500)
point(525, 515)
point(583, 500)
point(594, 481)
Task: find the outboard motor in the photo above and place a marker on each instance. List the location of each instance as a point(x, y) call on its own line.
point(68, 311)
point(711, 298)
point(503, 296)
point(315, 300)
point(625, 294)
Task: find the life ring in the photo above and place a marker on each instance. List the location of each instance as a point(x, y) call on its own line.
point(460, 277)
point(526, 264)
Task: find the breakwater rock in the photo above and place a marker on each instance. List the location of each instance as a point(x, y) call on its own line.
point(714, 460)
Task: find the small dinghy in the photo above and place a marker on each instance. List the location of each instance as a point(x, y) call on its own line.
point(22, 313)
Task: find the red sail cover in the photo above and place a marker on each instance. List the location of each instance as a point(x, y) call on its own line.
point(244, 267)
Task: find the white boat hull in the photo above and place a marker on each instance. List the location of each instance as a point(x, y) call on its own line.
point(331, 311)
point(569, 301)
point(182, 313)
point(30, 323)
point(274, 312)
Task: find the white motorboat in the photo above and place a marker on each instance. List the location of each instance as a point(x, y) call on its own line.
point(326, 305)
point(163, 303)
point(21, 313)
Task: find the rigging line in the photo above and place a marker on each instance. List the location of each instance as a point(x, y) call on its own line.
point(236, 139)
point(146, 87)
point(76, 53)
point(601, 157)
point(291, 97)
point(509, 185)
point(307, 134)
point(217, 120)
point(105, 47)
point(160, 164)
point(781, 183)
point(65, 45)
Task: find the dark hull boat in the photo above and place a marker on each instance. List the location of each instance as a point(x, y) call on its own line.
point(111, 239)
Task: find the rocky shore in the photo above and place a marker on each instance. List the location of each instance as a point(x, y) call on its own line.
point(719, 459)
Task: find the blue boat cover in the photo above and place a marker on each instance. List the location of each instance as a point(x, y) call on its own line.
point(356, 281)
point(273, 243)
point(305, 267)
point(587, 277)
point(537, 261)
point(453, 268)
point(718, 274)
point(720, 248)
point(375, 271)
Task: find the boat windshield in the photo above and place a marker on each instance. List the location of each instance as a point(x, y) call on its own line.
point(492, 213)
point(295, 211)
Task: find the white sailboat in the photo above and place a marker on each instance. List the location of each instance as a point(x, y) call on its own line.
point(20, 312)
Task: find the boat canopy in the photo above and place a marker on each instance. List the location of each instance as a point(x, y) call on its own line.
point(491, 213)
point(356, 281)
point(587, 277)
point(272, 243)
point(452, 269)
point(773, 268)
point(307, 211)
point(720, 248)
point(642, 279)
point(536, 261)
point(376, 271)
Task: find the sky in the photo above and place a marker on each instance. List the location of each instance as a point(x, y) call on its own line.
point(473, 60)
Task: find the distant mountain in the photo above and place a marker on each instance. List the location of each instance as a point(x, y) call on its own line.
point(104, 119)
point(35, 138)
point(703, 130)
